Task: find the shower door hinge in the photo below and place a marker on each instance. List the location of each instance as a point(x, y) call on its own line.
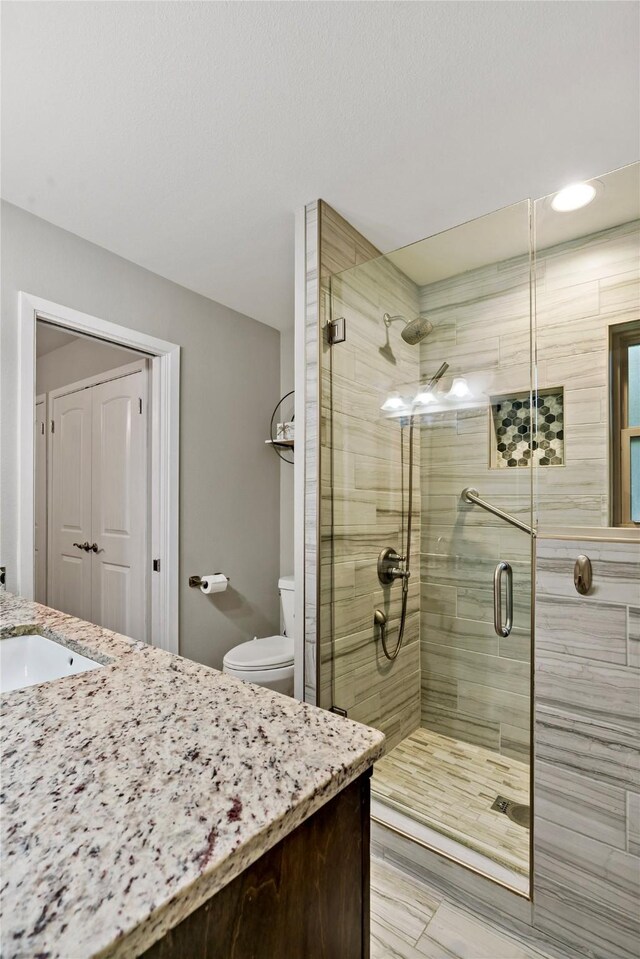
point(338, 711)
point(156, 566)
point(53, 427)
point(336, 331)
point(139, 404)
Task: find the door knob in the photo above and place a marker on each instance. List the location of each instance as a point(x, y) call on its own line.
point(94, 547)
point(85, 546)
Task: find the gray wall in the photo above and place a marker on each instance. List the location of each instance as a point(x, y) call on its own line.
point(230, 379)
point(77, 361)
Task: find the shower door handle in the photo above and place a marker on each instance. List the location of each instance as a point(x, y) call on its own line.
point(502, 629)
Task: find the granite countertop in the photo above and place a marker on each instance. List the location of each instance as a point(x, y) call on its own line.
point(133, 793)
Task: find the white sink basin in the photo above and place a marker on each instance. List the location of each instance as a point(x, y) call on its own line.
point(32, 659)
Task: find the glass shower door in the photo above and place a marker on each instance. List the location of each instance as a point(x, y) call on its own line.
point(426, 553)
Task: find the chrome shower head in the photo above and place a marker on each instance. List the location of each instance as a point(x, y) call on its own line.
point(414, 330)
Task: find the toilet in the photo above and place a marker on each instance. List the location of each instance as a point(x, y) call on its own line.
point(268, 661)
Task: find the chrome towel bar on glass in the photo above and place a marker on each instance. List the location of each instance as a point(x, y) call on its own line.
point(471, 495)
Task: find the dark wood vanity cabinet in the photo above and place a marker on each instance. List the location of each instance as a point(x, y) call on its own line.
point(307, 898)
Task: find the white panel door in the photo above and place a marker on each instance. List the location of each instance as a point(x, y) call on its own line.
point(40, 537)
point(119, 506)
point(69, 577)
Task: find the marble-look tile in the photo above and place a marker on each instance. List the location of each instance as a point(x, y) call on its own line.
point(588, 745)
point(584, 406)
point(399, 902)
point(633, 824)
point(592, 257)
point(633, 637)
point(469, 570)
point(453, 723)
point(581, 627)
point(439, 691)
point(592, 929)
point(477, 604)
point(450, 786)
point(437, 598)
point(495, 705)
point(468, 633)
point(604, 692)
point(564, 305)
point(476, 667)
point(620, 291)
point(455, 934)
point(587, 878)
point(597, 871)
point(312, 432)
point(581, 803)
point(515, 742)
point(616, 569)
point(587, 370)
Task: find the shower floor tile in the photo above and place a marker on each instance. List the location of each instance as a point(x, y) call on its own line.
point(450, 786)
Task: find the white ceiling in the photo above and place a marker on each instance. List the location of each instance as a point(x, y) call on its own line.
point(184, 135)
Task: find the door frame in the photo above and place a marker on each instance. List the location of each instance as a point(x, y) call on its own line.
point(117, 373)
point(165, 451)
point(44, 399)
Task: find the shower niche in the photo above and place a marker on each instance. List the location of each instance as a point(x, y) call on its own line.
point(527, 427)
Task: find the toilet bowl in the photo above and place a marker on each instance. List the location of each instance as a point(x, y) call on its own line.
point(268, 661)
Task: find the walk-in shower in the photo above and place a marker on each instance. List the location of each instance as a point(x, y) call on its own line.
point(433, 486)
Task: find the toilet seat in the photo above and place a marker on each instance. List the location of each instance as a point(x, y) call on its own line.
point(269, 652)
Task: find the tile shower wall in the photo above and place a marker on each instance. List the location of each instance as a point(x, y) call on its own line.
point(331, 245)
point(587, 731)
point(582, 287)
point(362, 495)
point(475, 686)
point(586, 862)
point(355, 486)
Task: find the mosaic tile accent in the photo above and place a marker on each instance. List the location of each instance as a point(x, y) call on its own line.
point(528, 429)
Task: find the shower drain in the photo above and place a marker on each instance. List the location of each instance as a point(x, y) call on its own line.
point(517, 812)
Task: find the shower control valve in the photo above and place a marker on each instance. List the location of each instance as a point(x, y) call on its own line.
point(388, 572)
point(395, 558)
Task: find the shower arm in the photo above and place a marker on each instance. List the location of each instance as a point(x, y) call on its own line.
point(471, 495)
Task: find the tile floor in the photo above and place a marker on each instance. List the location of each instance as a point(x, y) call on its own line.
point(450, 785)
point(411, 920)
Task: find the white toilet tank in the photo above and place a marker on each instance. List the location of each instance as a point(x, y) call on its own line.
point(286, 585)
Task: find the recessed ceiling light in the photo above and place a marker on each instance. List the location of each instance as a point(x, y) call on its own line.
point(573, 197)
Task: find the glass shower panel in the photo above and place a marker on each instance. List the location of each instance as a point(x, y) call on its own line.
point(587, 292)
point(426, 552)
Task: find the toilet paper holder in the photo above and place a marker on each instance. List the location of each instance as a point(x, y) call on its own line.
point(196, 581)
